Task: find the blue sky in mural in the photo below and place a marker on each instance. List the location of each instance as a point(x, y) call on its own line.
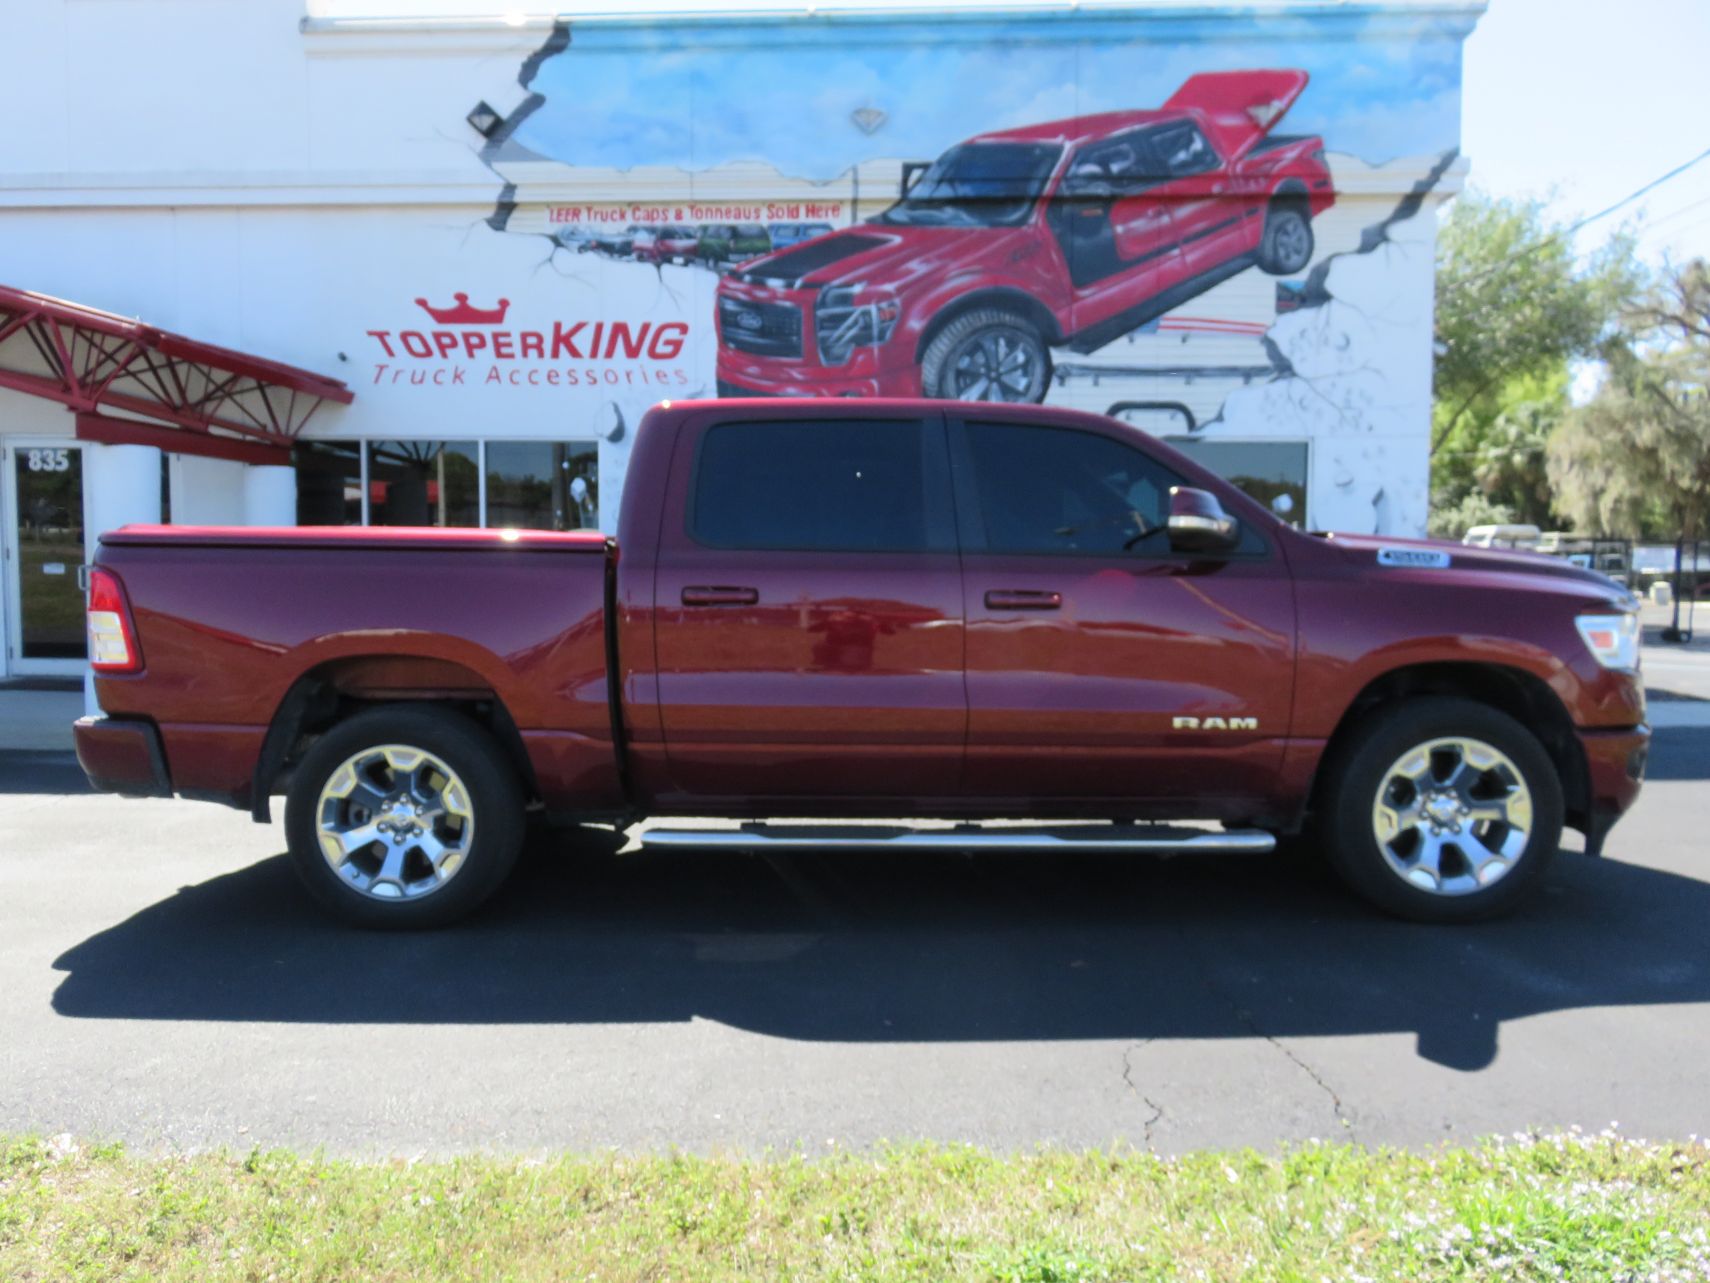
point(697, 96)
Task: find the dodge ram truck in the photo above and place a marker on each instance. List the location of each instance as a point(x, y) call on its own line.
point(886, 609)
point(1070, 233)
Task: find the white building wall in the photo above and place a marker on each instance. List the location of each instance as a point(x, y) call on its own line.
point(293, 192)
point(206, 492)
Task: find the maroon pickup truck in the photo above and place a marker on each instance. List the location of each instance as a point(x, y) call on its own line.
point(878, 609)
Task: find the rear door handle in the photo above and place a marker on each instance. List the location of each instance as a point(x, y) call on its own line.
point(1023, 599)
point(720, 595)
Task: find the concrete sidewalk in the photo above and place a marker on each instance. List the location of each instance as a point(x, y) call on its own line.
point(38, 721)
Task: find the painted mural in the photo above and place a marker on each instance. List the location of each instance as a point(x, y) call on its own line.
point(1215, 227)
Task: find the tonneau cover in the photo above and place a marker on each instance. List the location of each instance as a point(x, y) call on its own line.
point(368, 537)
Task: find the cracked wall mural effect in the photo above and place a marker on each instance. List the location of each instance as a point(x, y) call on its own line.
point(1222, 231)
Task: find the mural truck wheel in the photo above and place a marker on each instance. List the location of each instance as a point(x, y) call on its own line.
point(1287, 244)
point(989, 354)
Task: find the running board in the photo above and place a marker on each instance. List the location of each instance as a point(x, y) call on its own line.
point(856, 837)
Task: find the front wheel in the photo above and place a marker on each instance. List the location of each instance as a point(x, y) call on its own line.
point(404, 817)
point(989, 354)
point(1442, 810)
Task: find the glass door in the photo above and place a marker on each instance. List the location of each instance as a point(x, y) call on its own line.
point(46, 545)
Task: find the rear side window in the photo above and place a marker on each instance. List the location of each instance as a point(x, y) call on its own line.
point(1184, 150)
point(1056, 490)
point(823, 486)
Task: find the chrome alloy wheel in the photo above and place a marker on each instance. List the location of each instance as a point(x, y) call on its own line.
point(394, 822)
point(1452, 815)
point(1001, 363)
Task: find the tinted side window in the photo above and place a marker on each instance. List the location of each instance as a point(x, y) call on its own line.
point(1059, 490)
point(830, 486)
point(1114, 167)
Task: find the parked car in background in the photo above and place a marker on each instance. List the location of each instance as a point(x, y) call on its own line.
point(1612, 557)
point(673, 244)
point(733, 242)
point(784, 235)
point(619, 244)
point(575, 237)
point(641, 243)
point(833, 608)
point(1503, 536)
point(1064, 234)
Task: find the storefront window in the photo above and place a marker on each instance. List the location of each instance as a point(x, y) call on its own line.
point(1273, 472)
point(423, 483)
point(543, 485)
point(329, 483)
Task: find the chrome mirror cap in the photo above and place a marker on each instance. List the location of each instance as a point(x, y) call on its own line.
point(1198, 523)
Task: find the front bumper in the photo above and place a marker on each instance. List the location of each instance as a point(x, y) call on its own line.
point(881, 369)
point(122, 755)
point(1615, 771)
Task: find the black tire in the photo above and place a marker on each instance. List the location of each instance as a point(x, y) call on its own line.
point(1358, 769)
point(1286, 246)
point(495, 802)
point(939, 373)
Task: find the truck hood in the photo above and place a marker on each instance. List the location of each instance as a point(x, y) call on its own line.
point(1439, 554)
point(869, 252)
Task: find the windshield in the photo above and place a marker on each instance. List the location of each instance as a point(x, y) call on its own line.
point(977, 185)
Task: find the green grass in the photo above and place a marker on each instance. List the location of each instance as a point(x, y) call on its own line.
point(1581, 1208)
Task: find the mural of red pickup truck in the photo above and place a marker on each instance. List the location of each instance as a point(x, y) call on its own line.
point(1065, 234)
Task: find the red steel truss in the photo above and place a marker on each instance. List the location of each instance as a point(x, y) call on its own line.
point(212, 398)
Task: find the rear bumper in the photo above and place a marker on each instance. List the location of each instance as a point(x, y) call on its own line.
point(1615, 771)
point(122, 755)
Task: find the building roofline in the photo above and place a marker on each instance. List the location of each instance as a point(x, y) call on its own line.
point(896, 11)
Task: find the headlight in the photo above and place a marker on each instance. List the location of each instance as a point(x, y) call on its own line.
point(846, 317)
point(1613, 639)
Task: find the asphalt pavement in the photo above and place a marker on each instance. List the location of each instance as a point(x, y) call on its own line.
point(163, 981)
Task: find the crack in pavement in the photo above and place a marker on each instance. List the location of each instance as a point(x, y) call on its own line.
point(1246, 1018)
point(1128, 1078)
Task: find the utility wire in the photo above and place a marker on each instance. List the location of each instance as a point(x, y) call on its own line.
point(1548, 241)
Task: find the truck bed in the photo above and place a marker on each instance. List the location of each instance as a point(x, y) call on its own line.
point(234, 621)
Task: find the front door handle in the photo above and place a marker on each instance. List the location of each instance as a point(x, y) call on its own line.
point(1023, 599)
point(720, 595)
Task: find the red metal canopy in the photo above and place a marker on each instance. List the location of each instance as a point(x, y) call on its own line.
point(193, 398)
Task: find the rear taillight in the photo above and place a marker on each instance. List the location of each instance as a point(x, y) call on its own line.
point(112, 636)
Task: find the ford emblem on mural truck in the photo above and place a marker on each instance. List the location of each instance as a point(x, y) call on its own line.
point(1216, 227)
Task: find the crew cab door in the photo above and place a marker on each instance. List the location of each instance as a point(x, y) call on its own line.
point(1100, 664)
point(1114, 232)
point(808, 610)
point(1208, 225)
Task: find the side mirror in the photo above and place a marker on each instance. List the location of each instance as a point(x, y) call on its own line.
point(1199, 524)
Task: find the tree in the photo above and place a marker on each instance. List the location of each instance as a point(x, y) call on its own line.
point(1495, 470)
point(1513, 305)
point(1635, 460)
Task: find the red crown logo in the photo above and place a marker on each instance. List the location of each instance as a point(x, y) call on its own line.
point(463, 314)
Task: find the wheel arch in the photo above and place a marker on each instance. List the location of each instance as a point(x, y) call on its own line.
point(1521, 695)
point(1006, 297)
point(336, 689)
point(1291, 191)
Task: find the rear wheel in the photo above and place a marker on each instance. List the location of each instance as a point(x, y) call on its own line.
point(989, 354)
point(404, 817)
point(1286, 244)
point(1442, 810)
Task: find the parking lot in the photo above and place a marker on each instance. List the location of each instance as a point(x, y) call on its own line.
point(162, 981)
